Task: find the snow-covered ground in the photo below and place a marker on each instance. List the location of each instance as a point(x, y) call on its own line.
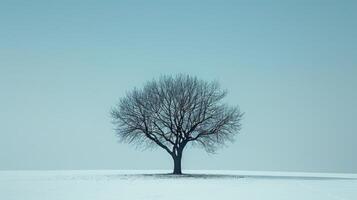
point(155, 185)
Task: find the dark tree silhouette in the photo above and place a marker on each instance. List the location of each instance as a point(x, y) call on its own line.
point(172, 112)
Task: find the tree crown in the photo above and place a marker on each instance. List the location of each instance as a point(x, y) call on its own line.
point(172, 111)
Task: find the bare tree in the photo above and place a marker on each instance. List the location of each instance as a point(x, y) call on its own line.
point(174, 111)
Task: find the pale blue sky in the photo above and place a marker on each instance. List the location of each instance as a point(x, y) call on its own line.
point(290, 65)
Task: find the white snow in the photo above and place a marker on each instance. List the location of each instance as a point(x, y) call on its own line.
point(155, 185)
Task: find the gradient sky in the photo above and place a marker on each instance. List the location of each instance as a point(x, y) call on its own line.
point(291, 66)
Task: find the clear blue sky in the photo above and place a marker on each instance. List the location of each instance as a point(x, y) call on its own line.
point(290, 65)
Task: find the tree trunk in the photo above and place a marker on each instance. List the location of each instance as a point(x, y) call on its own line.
point(177, 164)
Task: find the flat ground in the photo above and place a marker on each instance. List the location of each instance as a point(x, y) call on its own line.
point(156, 185)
